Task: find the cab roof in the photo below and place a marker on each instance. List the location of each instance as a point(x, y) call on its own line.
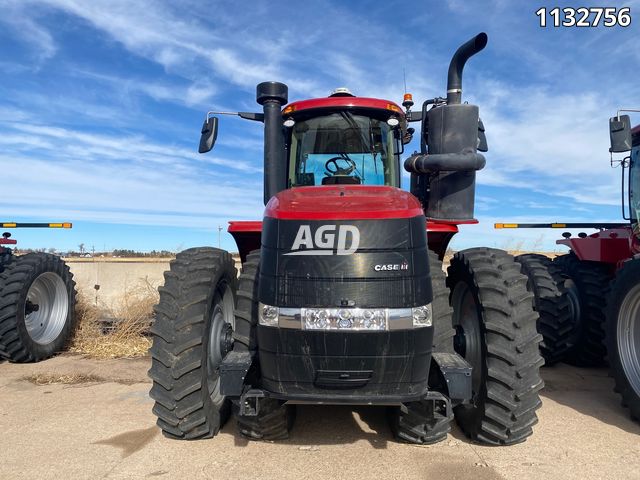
point(343, 102)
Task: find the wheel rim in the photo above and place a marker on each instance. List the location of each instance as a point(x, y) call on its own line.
point(46, 308)
point(469, 337)
point(220, 341)
point(628, 337)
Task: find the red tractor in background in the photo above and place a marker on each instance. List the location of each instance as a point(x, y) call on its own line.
point(589, 299)
point(37, 301)
point(342, 297)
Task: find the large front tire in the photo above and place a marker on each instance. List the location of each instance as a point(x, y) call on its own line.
point(496, 333)
point(623, 335)
point(191, 335)
point(37, 301)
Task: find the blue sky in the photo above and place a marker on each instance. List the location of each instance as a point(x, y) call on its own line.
point(101, 105)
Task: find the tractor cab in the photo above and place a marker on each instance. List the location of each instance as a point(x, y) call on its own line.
point(634, 176)
point(625, 139)
point(344, 140)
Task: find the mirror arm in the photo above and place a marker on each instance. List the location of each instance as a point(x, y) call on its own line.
point(257, 117)
point(626, 110)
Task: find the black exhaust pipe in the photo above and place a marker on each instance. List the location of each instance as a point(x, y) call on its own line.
point(443, 176)
point(272, 96)
point(464, 53)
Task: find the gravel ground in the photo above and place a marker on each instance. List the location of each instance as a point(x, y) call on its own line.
point(99, 425)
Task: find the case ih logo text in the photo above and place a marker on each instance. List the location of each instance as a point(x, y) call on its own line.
point(328, 240)
point(391, 267)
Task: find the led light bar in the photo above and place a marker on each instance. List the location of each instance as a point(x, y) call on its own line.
point(36, 225)
point(350, 319)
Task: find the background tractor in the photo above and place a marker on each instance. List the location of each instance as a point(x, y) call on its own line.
point(342, 297)
point(589, 299)
point(37, 301)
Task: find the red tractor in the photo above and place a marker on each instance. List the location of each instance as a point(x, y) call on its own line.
point(589, 299)
point(37, 300)
point(342, 297)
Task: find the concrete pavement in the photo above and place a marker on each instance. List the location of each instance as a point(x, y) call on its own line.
point(105, 429)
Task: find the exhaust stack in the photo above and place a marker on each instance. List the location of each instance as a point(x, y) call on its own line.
point(458, 61)
point(272, 96)
point(444, 176)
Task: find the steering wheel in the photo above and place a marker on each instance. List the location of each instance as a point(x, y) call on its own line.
point(333, 169)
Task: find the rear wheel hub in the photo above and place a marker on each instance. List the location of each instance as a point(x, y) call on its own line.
point(47, 308)
point(468, 339)
point(220, 336)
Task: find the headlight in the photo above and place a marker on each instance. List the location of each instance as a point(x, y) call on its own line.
point(344, 319)
point(422, 316)
point(268, 315)
point(358, 319)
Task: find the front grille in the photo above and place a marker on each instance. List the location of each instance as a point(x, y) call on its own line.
point(362, 292)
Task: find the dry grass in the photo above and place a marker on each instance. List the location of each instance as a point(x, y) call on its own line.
point(128, 338)
point(41, 379)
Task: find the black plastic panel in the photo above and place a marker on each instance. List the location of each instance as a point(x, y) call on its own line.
point(338, 366)
point(389, 269)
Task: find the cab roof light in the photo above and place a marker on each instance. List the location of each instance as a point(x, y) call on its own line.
point(289, 109)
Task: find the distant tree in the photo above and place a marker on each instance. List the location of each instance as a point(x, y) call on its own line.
point(52, 250)
point(81, 247)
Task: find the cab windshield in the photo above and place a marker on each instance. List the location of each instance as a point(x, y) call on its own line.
point(343, 148)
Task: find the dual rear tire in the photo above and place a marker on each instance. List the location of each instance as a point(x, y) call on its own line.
point(37, 302)
point(495, 322)
point(486, 300)
point(587, 285)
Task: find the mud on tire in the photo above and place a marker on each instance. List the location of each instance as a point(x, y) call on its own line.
point(37, 302)
point(195, 307)
point(496, 333)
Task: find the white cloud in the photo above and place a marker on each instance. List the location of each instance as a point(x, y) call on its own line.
point(28, 29)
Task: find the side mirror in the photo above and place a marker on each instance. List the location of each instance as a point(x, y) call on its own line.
point(620, 133)
point(482, 138)
point(208, 135)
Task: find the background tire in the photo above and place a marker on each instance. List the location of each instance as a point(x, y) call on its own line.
point(623, 335)
point(420, 422)
point(587, 285)
point(192, 317)
point(37, 302)
point(275, 418)
point(496, 333)
point(556, 321)
point(273, 422)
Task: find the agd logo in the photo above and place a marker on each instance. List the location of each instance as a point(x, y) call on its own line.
point(325, 240)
